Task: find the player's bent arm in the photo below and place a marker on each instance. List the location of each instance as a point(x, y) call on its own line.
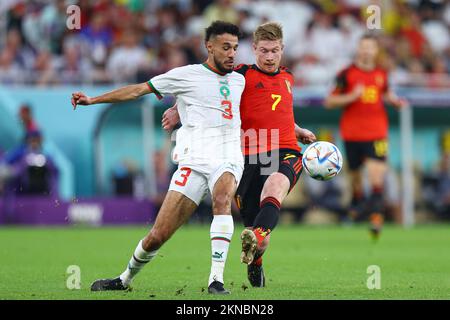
point(391, 98)
point(339, 100)
point(126, 93)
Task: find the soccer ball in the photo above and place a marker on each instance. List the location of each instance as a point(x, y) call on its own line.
point(322, 160)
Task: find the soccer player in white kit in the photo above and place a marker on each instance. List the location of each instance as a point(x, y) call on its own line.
point(208, 150)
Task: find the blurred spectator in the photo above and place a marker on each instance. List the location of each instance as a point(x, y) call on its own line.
point(53, 25)
point(16, 13)
point(325, 48)
point(413, 34)
point(44, 68)
point(72, 67)
point(126, 59)
point(220, 10)
point(30, 170)
point(14, 57)
point(437, 34)
point(10, 71)
point(30, 129)
point(126, 178)
point(97, 36)
point(31, 26)
point(21, 53)
point(26, 118)
point(195, 50)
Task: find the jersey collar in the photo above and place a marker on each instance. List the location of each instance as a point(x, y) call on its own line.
point(207, 66)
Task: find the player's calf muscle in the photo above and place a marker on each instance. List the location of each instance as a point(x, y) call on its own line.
point(176, 209)
point(223, 193)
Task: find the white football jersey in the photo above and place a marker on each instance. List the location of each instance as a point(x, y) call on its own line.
point(208, 104)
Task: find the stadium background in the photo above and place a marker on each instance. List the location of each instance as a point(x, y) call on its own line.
point(109, 164)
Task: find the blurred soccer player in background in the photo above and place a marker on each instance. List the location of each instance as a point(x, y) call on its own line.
point(207, 150)
point(360, 91)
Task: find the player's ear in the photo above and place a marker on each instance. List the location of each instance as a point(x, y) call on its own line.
point(209, 46)
point(254, 47)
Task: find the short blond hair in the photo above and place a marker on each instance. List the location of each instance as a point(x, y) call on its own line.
point(268, 31)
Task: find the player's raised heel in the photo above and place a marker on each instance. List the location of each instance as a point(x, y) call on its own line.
point(249, 244)
point(109, 285)
point(216, 287)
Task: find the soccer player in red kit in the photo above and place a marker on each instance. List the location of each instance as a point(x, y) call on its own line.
point(266, 110)
point(360, 91)
point(273, 161)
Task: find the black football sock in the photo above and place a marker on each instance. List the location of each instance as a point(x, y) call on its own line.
point(267, 218)
point(376, 200)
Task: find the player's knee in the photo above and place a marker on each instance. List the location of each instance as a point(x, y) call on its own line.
point(222, 201)
point(377, 180)
point(276, 186)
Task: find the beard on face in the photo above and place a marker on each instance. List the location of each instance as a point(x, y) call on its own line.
point(221, 67)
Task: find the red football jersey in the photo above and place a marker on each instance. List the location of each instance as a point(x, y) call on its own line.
point(366, 118)
point(267, 112)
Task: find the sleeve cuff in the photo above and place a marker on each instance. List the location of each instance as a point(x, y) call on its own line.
point(153, 89)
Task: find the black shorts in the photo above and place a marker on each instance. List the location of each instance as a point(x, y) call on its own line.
point(358, 152)
point(248, 194)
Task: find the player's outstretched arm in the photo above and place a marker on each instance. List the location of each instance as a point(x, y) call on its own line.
point(338, 100)
point(126, 93)
point(304, 135)
point(170, 118)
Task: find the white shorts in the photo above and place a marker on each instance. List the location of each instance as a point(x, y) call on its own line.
point(194, 181)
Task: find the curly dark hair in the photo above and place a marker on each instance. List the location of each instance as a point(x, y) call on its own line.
point(220, 27)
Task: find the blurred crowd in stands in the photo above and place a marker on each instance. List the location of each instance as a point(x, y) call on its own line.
point(124, 41)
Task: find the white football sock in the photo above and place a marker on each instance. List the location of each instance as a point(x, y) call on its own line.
point(139, 259)
point(221, 231)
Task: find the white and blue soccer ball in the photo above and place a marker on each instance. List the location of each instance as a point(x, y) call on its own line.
point(322, 160)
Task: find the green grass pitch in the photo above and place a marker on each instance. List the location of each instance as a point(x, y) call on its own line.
point(303, 262)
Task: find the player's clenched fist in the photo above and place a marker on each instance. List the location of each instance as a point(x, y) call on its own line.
point(79, 98)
